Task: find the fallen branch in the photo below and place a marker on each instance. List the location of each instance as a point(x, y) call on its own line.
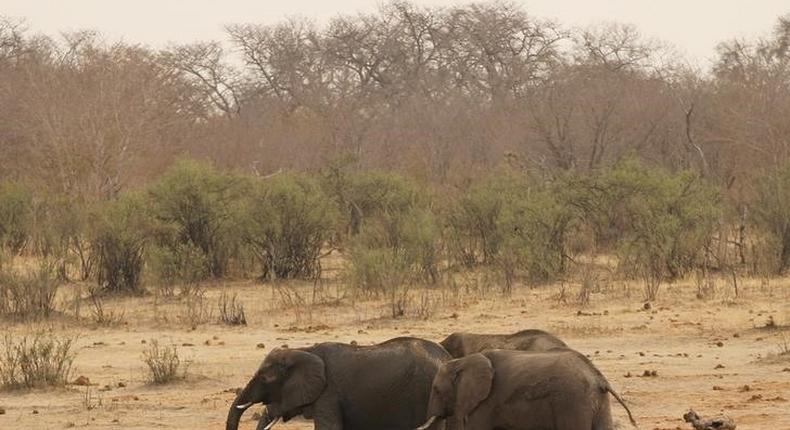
point(718, 423)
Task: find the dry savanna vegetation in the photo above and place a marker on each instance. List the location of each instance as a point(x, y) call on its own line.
point(167, 217)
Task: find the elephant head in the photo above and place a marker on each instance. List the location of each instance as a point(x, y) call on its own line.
point(287, 381)
point(458, 388)
point(454, 345)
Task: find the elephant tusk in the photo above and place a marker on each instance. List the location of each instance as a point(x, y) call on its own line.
point(244, 406)
point(427, 424)
point(271, 424)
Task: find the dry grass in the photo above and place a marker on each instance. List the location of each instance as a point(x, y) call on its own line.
point(231, 310)
point(26, 295)
point(36, 361)
point(164, 363)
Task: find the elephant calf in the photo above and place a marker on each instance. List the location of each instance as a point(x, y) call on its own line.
point(462, 344)
point(517, 390)
point(345, 387)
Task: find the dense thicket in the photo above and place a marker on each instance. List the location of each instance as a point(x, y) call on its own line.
point(417, 140)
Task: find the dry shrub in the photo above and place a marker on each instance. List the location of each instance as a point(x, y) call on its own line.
point(426, 305)
point(35, 361)
point(26, 296)
point(231, 311)
point(164, 364)
point(100, 314)
point(196, 309)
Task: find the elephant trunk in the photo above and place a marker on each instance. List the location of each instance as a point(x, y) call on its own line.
point(240, 404)
point(234, 415)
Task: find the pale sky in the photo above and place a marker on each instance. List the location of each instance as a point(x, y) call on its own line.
point(692, 26)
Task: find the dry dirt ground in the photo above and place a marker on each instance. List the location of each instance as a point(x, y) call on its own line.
point(714, 355)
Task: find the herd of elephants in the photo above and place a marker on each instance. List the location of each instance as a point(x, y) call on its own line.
point(530, 380)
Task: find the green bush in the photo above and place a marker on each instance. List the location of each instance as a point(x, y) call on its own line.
point(513, 223)
point(473, 219)
point(121, 231)
point(378, 270)
point(289, 220)
point(178, 263)
point(772, 217)
point(62, 234)
point(534, 229)
point(40, 360)
point(664, 220)
point(16, 215)
point(366, 195)
point(199, 206)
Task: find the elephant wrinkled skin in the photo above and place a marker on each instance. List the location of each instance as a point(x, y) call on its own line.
point(516, 390)
point(345, 387)
point(462, 344)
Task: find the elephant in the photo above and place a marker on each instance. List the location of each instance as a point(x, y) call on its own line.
point(462, 344)
point(518, 390)
point(345, 387)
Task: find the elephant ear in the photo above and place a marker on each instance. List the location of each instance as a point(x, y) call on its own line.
point(305, 381)
point(474, 377)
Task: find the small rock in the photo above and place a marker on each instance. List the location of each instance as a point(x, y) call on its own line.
point(143, 342)
point(2, 411)
point(82, 381)
point(121, 385)
point(215, 337)
point(221, 343)
point(719, 366)
point(354, 342)
point(628, 375)
point(718, 388)
point(647, 306)
point(35, 411)
point(105, 388)
point(187, 344)
point(786, 369)
point(745, 388)
point(719, 344)
point(285, 345)
point(260, 346)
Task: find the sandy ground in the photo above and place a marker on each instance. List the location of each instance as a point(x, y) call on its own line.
point(713, 355)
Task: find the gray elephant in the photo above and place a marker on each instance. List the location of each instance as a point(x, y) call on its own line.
point(462, 344)
point(517, 390)
point(345, 387)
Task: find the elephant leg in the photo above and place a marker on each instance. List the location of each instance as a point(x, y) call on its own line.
point(327, 415)
point(478, 420)
point(573, 417)
point(603, 415)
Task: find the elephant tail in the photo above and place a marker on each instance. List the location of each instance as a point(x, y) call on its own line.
point(610, 390)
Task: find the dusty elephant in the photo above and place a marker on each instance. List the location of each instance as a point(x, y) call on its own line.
point(516, 390)
point(345, 387)
point(462, 344)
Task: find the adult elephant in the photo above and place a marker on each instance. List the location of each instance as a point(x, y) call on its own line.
point(516, 390)
point(462, 344)
point(348, 387)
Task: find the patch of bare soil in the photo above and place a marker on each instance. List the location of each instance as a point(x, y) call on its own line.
point(713, 356)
